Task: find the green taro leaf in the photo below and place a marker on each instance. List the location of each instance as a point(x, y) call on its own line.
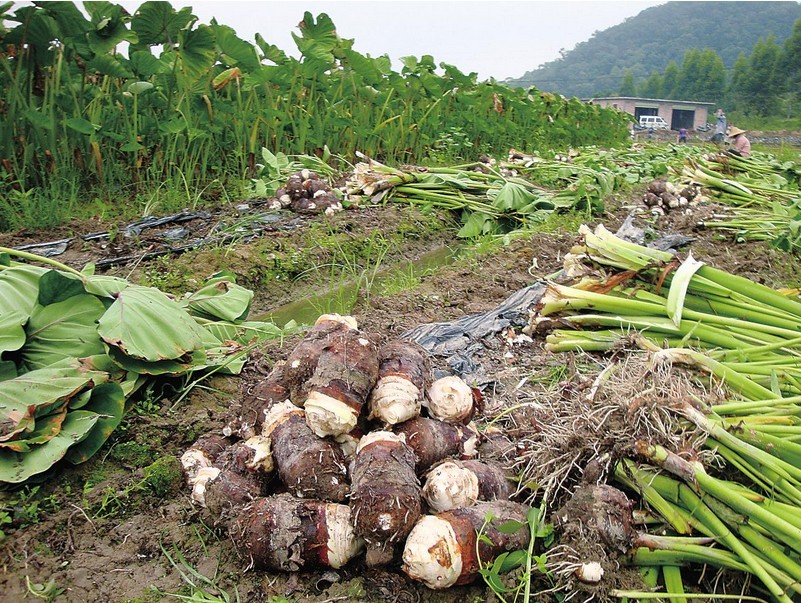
point(512, 196)
point(106, 286)
point(240, 52)
point(477, 224)
point(196, 52)
point(65, 329)
point(108, 401)
point(19, 288)
point(55, 286)
point(8, 370)
point(12, 332)
point(81, 125)
point(16, 467)
point(139, 87)
point(108, 64)
point(146, 325)
point(162, 367)
point(220, 298)
point(159, 23)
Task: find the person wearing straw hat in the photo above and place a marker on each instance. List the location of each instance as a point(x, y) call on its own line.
point(741, 146)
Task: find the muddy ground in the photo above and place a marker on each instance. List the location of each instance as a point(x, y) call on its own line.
point(109, 531)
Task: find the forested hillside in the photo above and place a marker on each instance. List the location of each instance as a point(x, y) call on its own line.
point(658, 35)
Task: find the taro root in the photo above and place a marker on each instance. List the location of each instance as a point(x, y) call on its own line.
point(601, 513)
point(404, 374)
point(309, 466)
point(444, 550)
point(285, 533)
point(346, 372)
point(202, 454)
point(212, 457)
point(302, 360)
point(432, 440)
point(385, 494)
point(450, 399)
point(456, 483)
point(258, 402)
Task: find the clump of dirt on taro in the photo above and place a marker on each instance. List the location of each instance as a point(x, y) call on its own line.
point(569, 435)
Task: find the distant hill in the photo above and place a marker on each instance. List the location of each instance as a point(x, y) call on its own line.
point(658, 35)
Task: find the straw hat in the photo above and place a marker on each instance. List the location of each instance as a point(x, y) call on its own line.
point(735, 131)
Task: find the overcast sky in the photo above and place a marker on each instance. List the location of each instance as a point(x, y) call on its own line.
point(499, 39)
point(495, 39)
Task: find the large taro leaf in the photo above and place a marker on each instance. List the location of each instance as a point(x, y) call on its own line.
point(19, 288)
point(159, 23)
point(220, 298)
point(108, 401)
point(39, 393)
point(65, 329)
point(56, 286)
point(146, 325)
point(245, 333)
point(105, 286)
point(12, 332)
point(196, 52)
point(16, 467)
point(161, 367)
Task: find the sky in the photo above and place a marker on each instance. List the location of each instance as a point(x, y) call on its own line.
point(499, 39)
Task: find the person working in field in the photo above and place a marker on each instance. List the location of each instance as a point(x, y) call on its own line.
point(741, 146)
point(720, 127)
point(682, 135)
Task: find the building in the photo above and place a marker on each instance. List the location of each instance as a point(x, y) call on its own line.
point(678, 114)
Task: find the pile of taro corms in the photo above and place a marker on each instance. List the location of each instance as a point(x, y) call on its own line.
point(331, 458)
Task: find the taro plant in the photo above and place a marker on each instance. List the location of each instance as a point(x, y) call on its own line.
point(190, 103)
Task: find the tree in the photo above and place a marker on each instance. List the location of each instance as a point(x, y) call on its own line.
point(670, 80)
point(711, 83)
point(690, 75)
point(790, 63)
point(627, 87)
point(652, 88)
point(735, 95)
point(763, 83)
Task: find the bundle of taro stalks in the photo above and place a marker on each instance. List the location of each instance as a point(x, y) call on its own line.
point(711, 454)
point(347, 446)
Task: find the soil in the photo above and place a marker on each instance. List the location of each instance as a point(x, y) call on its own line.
point(105, 531)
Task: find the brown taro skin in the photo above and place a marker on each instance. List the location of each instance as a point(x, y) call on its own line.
point(385, 497)
point(467, 522)
point(346, 372)
point(285, 533)
point(302, 360)
point(406, 359)
point(235, 485)
point(430, 439)
point(493, 483)
point(309, 466)
point(257, 402)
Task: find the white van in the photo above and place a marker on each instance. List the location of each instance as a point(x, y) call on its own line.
point(653, 121)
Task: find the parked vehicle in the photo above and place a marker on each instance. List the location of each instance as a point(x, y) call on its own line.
point(653, 121)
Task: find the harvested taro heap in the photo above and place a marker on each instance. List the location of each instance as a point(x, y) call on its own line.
point(350, 447)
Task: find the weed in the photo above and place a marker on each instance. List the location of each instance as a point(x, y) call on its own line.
point(48, 591)
point(203, 589)
point(5, 519)
point(539, 532)
point(27, 506)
